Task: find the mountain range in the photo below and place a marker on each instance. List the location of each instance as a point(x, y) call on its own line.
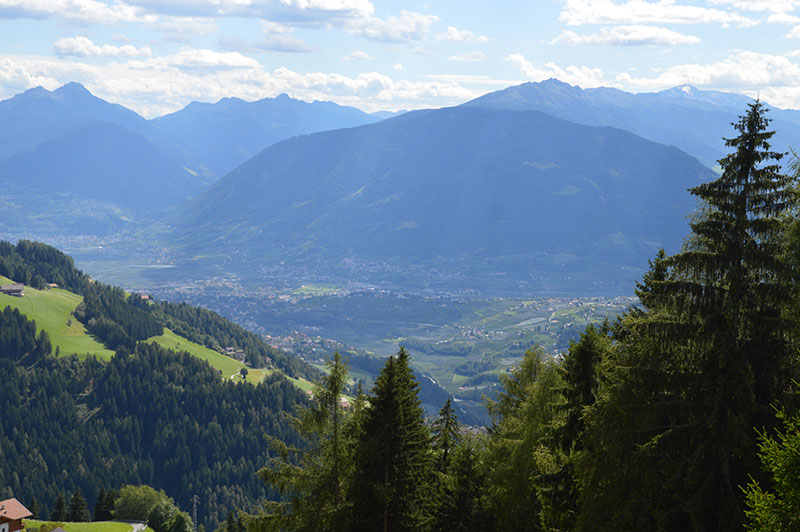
point(72, 162)
point(543, 184)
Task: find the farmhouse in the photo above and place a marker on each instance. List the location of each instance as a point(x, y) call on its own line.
point(11, 514)
point(16, 289)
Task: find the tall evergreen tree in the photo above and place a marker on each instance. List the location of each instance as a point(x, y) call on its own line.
point(445, 434)
point(78, 511)
point(33, 506)
point(316, 481)
point(699, 365)
point(393, 468)
point(59, 512)
point(99, 506)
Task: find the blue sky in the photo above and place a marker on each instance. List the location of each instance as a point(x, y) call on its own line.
point(155, 56)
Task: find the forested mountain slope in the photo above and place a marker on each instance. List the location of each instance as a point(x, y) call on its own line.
point(470, 189)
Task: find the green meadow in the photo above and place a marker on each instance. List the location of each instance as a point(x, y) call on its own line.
point(52, 310)
point(31, 525)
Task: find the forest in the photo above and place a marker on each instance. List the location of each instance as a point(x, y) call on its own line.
point(681, 415)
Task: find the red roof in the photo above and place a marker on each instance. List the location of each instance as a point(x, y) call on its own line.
point(13, 509)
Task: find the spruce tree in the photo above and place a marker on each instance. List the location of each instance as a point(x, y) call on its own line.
point(445, 434)
point(59, 512)
point(33, 506)
point(78, 512)
point(698, 366)
point(393, 469)
point(315, 480)
point(99, 506)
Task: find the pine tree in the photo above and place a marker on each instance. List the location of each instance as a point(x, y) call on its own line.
point(59, 512)
point(393, 469)
point(78, 512)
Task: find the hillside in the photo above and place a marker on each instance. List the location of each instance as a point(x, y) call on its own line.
point(158, 404)
point(470, 193)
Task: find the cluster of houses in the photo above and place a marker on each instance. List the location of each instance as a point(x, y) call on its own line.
point(233, 352)
point(12, 512)
point(16, 289)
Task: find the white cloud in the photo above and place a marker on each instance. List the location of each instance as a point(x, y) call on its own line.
point(183, 29)
point(398, 67)
point(574, 75)
point(740, 70)
point(456, 35)
point(579, 12)
point(628, 36)
point(406, 27)
point(794, 33)
point(75, 10)
point(772, 6)
point(298, 11)
point(193, 59)
point(358, 55)
point(469, 57)
point(83, 47)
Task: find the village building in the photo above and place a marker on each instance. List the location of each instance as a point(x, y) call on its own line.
point(12, 512)
point(16, 289)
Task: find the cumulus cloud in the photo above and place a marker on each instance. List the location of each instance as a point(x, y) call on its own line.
point(193, 59)
point(741, 69)
point(772, 6)
point(406, 27)
point(635, 35)
point(77, 10)
point(183, 29)
point(469, 57)
point(358, 55)
point(300, 11)
point(574, 75)
point(83, 47)
point(580, 12)
point(398, 67)
point(456, 35)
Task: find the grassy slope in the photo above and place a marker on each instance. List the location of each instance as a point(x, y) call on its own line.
point(52, 310)
point(227, 365)
point(101, 526)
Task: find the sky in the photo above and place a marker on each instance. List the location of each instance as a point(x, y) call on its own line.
point(156, 56)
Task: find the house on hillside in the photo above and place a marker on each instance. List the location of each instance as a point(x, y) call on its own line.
point(12, 512)
point(16, 289)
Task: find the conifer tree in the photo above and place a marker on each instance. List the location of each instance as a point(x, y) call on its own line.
point(393, 469)
point(315, 480)
point(698, 366)
point(78, 512)
point(59, 512)
point(33, 506)
point(445, 434)
point(99, 506)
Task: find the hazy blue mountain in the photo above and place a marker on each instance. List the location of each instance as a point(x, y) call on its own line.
point(469, 190)
point(693, 120)
point(38, 114)
point(225, 134)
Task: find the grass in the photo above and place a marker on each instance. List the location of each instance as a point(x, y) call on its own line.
point(99, 526)
point(52, 310)
point(320, 289)
point(227, 365)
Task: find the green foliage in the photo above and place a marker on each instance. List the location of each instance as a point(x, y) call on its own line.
point(393, 468)
point(670, 438)
point(777, 509)
point(135, 503)
point(523, 414)
point(59, 512)
point(78, 512)
point(314, 480)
